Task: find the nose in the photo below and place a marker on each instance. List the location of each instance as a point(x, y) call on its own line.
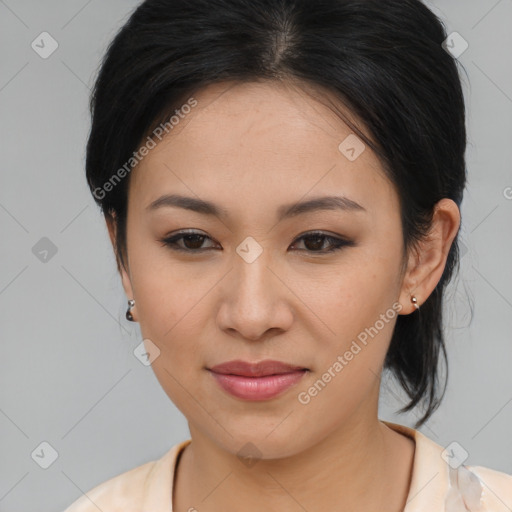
point(255, 300)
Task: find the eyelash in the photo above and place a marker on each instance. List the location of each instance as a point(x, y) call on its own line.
point(339, 243)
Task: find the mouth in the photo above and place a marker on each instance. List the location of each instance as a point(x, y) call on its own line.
point(257, 381)
point(260, 369)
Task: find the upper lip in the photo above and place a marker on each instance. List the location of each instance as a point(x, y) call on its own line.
point(262, 368)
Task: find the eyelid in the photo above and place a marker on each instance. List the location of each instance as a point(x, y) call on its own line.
point(340, 241)
point(169, 239)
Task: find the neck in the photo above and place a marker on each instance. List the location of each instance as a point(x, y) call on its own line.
point(355, 467)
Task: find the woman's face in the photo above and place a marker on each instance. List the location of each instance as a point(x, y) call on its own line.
point(252, 287)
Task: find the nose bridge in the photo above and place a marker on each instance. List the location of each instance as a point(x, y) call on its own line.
point(250, 305)
point(252, 275)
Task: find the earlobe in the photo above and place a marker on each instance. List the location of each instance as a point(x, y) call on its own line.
point(129, 314)
point(428, 260)
point(127, 284)
point(125, 278)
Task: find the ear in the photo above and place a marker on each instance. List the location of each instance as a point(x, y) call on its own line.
point(427, 261)
point(125, 277)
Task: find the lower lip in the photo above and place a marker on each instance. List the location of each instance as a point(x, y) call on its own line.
point(258, 388)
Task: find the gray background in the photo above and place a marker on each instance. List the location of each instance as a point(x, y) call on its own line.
point(68, 375)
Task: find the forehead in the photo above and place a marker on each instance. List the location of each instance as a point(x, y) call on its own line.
point(255, 142)
point(270, 108)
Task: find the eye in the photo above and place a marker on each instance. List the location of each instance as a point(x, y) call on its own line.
point(316, 239)
point(313, 241)
point(192, 240)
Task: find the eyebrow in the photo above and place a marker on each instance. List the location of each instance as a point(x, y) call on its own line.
point(283, 212)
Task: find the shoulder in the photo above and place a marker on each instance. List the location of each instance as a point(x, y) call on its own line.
point(147, 485)
point(122, 492)
point(440, 482)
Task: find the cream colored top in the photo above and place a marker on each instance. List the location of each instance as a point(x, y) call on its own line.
point(435, 485)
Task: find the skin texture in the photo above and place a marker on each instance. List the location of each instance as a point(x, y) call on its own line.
point(251, 148)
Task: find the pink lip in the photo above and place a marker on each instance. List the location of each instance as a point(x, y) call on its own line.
point(258, 381)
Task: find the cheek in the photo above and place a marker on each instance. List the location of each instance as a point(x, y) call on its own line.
point(351, 297)
point(348, 370)
point(168, 292)
point(169, 304)
point(362, 327)
point(358, 310)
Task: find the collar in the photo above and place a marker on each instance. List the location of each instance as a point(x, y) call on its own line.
point(430, 480)
point(430, 473)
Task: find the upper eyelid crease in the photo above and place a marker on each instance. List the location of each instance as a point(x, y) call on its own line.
point(285, 211)
point(338, 241)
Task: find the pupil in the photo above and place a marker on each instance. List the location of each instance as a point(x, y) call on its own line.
point(197, 238)
point(317, 239)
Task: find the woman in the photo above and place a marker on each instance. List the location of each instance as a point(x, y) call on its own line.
point(281, 181)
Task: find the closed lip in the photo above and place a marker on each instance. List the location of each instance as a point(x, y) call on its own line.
point(260, 369)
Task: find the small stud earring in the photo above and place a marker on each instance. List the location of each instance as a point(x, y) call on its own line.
point(129, 315)
point(414, 301)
